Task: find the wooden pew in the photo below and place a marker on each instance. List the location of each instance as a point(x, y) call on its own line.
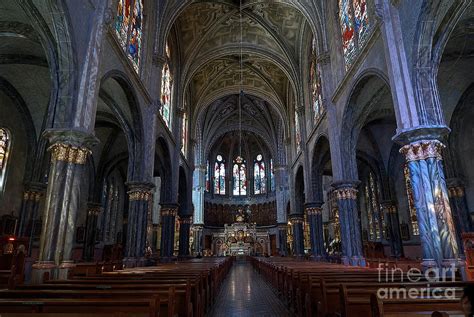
point(413, 307)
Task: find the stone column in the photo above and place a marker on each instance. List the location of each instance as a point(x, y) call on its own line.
point(199, 186)
point(198, 238)
point(389, 210)
point(69, 152)
point(93, 211)
point(346, 195)
point(315, 219)
point(282, 238)
point(430, 193)
point(460, 211)
point(298, 235)
point(168, 216)
point(139, 205)
point(30, 208)
point(184, 230)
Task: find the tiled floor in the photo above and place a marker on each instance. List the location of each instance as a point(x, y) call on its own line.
point(245, 294)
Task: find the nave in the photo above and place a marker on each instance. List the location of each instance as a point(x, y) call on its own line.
point(245, 293)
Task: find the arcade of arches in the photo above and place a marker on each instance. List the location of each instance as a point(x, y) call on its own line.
point(154, 130)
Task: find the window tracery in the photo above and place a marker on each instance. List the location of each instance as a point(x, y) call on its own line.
point(166, 88)
point(219, 176)
point(129, 28)
point(259, 176)
point(5, 141)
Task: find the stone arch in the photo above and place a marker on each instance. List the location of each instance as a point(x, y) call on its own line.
point(163, 168)
point(370, 87)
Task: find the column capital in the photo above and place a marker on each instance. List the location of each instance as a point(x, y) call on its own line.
point(323, 58)
point(346, 189)
point(456, 187)
point(169, 209)
point(296, 218)
point(422, 150)
point(187, 219)
point(421, 133)
point(158, 60)
point(197, 226)
point(94, 209)
point(389, 206)
point(300, 110)
point(140, 191)
point(71, 146)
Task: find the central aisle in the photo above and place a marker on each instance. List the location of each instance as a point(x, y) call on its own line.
point(244, 293)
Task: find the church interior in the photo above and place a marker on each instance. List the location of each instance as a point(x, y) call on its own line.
point(236, 158)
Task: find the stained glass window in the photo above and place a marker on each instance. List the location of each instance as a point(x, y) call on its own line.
point(411, 202)
point(297, 132)
point(316, 89)
point(208, 185)
point(376, 220)
point(5, 141)
point(184, 133)
point(361, 20)
point(259, 176)
point(354, 21)
point(272, 176)
point(166, 87)
point(219, 176)
point(239, 177)
point(129, 28)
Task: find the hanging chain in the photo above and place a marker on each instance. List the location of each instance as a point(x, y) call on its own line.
point(241, 81)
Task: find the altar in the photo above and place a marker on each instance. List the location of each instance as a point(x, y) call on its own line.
point(241, 238)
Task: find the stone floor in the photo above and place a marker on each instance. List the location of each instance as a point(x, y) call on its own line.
point(244, 293)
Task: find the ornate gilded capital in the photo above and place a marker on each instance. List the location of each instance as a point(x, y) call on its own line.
point(296, 219)
point(312, 211)
point(456, 191)
point(422, 150)
point(346, 193)
point(169, 211)
point(140, 191)
point(140, 194)
point(32, 195)
point(186, 220)
point(94, 211)
point(68, 153)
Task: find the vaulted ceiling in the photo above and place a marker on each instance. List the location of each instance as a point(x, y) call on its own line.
point(212, 37)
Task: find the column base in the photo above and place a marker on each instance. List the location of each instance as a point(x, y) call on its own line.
point(358, 261)
point(317, 258)
point(41, 271)
point(64, 269)
point(450, 267)
point(345, 260)
point(129, 262)
point(428, 263)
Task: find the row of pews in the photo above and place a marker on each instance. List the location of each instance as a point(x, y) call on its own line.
point(324, 289)
point(173, 289)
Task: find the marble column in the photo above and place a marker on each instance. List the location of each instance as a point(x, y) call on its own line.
point(346, 195)
point(198, 238)
point(29, 208)
point(297, 222)
point(69, 152)
point(184, 230)
point(168, 216)
point(139, 204)
point(315, 219)
point(199, 186)
point(430, 193)
point(93, 211)
point(390, 213)
point(282, 238)
point(459, 209)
